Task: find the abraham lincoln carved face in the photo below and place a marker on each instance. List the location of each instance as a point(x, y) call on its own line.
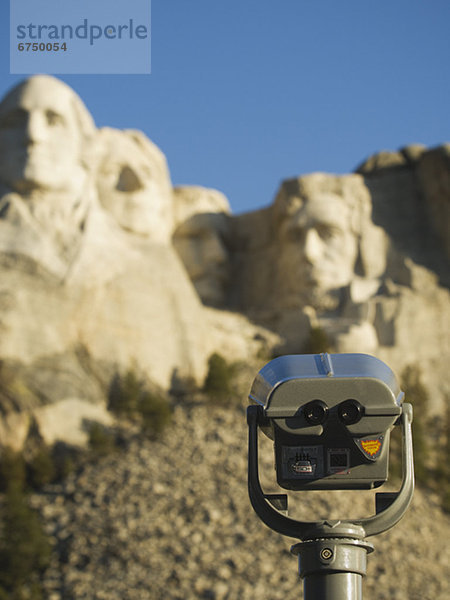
point(324, 224)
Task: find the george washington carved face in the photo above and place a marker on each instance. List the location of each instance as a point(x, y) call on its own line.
point(44, 127)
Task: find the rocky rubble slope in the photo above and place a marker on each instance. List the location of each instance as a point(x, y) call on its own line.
point(171, 519)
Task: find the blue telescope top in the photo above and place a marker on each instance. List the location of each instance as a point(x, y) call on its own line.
point(319, 374)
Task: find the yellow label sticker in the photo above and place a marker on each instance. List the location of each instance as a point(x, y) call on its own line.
point(371, 447)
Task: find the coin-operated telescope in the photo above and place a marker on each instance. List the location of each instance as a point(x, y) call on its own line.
point(330, 418)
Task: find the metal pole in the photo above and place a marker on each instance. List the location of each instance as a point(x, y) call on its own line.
point(332, 568)
point(336, 586)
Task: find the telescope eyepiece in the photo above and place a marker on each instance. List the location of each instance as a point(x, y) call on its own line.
point(315, 412)
point(350, 412)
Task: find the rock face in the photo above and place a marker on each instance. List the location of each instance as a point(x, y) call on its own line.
point(104, 265)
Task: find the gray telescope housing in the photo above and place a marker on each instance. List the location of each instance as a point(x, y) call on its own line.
point(330, 417)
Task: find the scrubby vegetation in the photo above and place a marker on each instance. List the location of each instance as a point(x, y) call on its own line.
point(317, 342)
point(443, 466)
point(219, 379)
point(24, 547)
point(417, 395)
point(131, 398)
point(42, 468)
point(431, 440)
point(101, 441)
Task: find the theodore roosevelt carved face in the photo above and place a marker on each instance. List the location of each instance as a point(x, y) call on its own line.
point(201, 240)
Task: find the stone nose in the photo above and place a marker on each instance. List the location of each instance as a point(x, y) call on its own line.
point(35, 130)
point(313, 246)
point(216, 250)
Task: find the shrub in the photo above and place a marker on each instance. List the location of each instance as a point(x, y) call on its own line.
point(124, 394)
point(65, 459)
point(101, 441)
point(395, 454)
point(155, 413)
point(317, 342)
point(130, 397)
point(12, 470)
point(219, 377)
point(41, 468)
point(417, 395)
point(24, 548)
point(443, 466)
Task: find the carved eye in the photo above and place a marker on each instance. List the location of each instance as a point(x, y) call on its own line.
point(295, 234)
point(327, 232)
point(53, 118)
point(15, 118)
point(128, 181)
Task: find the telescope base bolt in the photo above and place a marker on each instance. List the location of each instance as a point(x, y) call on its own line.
point(332, 568)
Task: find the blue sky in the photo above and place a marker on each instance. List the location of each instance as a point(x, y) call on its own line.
point(245, 93)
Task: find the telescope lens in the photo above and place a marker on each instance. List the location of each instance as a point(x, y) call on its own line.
point(350, 412)
point(315, 412)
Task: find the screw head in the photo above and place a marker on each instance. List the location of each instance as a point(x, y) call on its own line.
point(326, 553)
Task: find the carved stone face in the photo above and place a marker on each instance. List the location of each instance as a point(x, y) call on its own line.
point(318, 248)
point(200, 243)
point(40, 138)
point(133, 184)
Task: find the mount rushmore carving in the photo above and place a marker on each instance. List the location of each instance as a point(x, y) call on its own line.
point(105, 265)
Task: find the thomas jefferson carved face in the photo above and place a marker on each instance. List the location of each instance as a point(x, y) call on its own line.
point(134, 185)
point(41, 136)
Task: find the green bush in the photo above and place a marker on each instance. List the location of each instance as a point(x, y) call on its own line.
point(12, 470)
point(446, 484)
point(24, 548)
point(101, 441)
point(431, 460)
point(219, 378)
point(443, 466)
point(124, 394)
point(395, 454)
point(155, 413)
point(432, 469)
point(317, 342)
point(65, 459)
point(130, 397)
point(417, 395)
point(41, 467)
